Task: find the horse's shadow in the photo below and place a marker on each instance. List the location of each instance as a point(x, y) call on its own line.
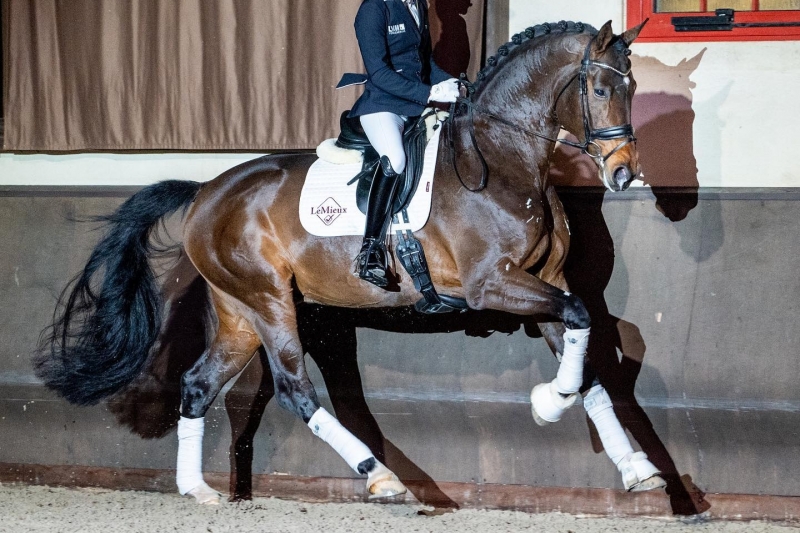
point(588, 271)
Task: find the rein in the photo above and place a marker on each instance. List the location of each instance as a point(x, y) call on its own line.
point(590, 135)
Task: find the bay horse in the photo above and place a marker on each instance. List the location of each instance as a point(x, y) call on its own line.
point(497, 237)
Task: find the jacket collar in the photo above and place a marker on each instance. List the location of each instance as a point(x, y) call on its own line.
point(423, 14)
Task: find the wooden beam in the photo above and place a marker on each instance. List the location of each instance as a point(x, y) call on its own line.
point(573, 500)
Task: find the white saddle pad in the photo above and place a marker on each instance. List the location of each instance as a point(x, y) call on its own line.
point(328, 205)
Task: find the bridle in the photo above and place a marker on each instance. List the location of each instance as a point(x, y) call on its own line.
point(590, 135)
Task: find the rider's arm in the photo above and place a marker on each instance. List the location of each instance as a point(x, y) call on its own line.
point(372, 40)
point(437, 74)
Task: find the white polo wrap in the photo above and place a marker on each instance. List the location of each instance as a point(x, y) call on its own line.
point(190, 453)
point(548, 403)
point(326, 427)
point(570, 374)
point(598, 406)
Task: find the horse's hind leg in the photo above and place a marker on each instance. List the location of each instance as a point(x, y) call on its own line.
point(233, 346)
point(638, 473)
point(245, 404)
point(277, 327)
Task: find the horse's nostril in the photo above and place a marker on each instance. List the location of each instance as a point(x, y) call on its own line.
point(623, 177)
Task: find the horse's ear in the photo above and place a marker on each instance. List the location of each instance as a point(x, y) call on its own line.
point(629, 36)
point(603, 38)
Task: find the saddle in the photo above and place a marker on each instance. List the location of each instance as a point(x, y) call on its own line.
point(352, 137)
point(408, 249)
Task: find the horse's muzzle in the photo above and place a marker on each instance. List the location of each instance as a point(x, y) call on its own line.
point(621, 178)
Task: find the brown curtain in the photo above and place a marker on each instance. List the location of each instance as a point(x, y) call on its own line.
point(116, 75)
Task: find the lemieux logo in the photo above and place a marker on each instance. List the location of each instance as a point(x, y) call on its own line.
point(328, 211)
point(396, 29)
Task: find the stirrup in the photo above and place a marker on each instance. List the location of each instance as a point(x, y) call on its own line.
point(371, 262)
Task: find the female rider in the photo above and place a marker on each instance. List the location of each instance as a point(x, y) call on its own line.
point(402, 78)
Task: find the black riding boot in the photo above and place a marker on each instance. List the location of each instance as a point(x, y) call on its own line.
point(372, 260)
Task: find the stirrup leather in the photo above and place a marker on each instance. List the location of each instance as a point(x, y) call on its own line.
point(411, 255)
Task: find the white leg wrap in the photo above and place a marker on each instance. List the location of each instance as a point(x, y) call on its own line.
point(598, 406)
point(643, 467)
point(190, 454)
point(326, 427)
point(547, 404)
point(634, 466)
point(570, 373)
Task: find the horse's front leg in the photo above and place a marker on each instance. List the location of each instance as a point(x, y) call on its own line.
point(638, 473)
point(513, 290)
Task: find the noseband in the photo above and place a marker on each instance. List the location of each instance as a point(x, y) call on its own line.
point(589, 146)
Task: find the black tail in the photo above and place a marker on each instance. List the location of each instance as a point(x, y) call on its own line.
point(109, 316)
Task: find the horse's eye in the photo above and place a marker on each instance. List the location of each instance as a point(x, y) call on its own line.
point(600, 93)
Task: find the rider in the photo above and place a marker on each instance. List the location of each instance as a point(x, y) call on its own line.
point(402, 78)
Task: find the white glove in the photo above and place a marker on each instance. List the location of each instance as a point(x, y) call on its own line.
point(445, 91)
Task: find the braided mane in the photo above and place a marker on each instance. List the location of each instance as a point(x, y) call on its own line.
point(518, 39)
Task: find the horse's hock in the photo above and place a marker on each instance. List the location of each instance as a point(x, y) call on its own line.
point(705, 382)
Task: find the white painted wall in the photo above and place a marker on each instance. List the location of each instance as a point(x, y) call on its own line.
point(524, 13)
point(746, 106)
point(113, 169)
point(744, 94)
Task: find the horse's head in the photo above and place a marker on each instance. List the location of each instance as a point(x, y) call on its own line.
point(563, 75)
point(595, 106)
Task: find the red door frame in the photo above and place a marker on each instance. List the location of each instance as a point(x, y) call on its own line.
point(659, 28)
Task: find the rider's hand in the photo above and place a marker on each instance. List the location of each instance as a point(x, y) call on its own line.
point(445, 91)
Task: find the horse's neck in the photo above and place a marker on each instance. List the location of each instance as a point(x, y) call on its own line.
point(524, 92)
point(513, 152)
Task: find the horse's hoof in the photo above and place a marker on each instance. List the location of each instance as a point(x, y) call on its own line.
point(651, 483)
point(547, 405)
point(205, 495)
point(639, 474)
point(387, 488)
point(383, 483)
point(536, 418)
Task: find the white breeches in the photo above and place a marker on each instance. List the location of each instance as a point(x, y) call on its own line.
point(385, 132)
